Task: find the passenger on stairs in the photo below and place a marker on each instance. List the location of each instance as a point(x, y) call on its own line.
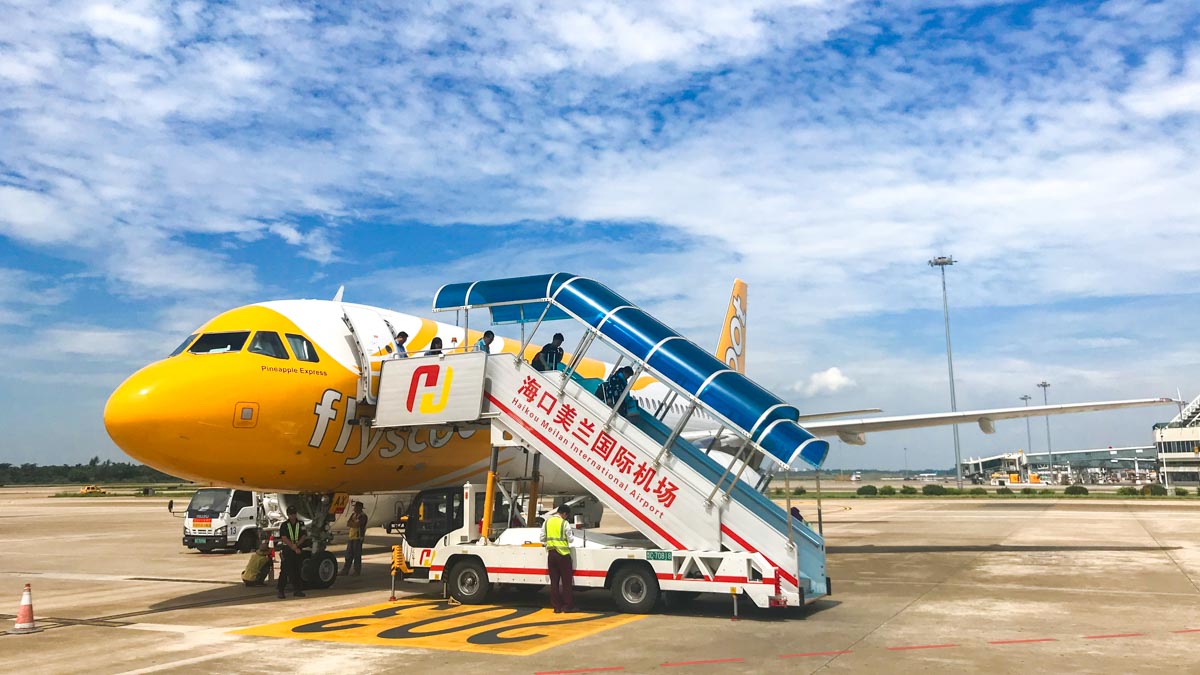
point(614, 385)
point(401, 350)
point(435, 347)
point(485, 343)
point(796, 514)
point(551, 354)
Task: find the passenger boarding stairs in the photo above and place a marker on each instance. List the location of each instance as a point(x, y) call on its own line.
point(672, 491)
point(1189, 416)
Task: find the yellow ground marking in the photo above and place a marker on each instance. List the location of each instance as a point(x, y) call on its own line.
point(435, 624)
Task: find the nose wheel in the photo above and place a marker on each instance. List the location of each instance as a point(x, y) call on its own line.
point(319, 570)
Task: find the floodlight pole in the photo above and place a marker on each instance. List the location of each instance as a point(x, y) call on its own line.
point(1049, 449)
point(942, 262)
point(1028, 433)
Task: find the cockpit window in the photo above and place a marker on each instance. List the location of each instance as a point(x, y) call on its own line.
point(303, 349)
point(268, 343)
point(183, 345)
point(218, 343)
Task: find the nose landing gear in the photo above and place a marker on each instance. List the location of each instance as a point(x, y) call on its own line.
point(319, 569)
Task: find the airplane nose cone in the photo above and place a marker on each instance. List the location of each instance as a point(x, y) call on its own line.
point(131, 414)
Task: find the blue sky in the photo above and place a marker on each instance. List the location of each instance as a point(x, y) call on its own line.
point(162, 162)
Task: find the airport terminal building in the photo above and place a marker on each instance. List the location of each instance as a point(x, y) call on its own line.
point(1174, 458)
point(1178, 445)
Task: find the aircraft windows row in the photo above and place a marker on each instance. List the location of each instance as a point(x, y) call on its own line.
point(183, 345)
point(268, 343)
point(219, 343)
point(265, 342)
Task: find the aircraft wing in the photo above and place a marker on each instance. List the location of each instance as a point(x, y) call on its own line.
point(854, 431)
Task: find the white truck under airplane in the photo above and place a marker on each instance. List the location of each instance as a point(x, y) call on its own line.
point(308, 396)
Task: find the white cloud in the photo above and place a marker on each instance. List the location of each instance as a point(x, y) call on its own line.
point(826, 381)
point(125, 25)
point(313, 244)
point(33, 217)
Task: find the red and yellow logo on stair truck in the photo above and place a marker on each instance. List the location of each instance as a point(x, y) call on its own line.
point(424, 379)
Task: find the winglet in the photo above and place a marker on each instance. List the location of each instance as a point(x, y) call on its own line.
point(337, 297)
point(731, 348)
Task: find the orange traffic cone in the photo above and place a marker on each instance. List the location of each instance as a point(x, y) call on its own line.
point(25, 622)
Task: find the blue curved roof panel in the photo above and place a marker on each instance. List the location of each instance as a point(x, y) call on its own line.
point(631, 330)
point(767, 419)
point(512, 300)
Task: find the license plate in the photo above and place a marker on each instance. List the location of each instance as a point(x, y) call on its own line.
point(201, 540)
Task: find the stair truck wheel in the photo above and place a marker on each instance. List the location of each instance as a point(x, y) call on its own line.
point(468, 582)
point(635, 589)
point(320, 570)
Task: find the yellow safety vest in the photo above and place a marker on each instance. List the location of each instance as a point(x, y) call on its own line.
point(556, 535)
point(293, 531)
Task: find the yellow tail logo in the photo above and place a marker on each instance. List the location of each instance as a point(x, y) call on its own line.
point(731, 348)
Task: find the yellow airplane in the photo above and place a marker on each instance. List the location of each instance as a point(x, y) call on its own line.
point(269, 397)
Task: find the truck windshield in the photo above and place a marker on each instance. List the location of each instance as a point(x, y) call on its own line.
point(209, 502)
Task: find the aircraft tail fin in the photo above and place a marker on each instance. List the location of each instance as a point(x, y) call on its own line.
point(731, 348)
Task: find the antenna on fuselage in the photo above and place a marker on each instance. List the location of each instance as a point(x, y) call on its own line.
point(337, 297)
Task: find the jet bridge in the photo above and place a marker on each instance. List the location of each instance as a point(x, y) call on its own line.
point(675, 493)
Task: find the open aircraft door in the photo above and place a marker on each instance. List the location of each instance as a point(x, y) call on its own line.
point(373, 343)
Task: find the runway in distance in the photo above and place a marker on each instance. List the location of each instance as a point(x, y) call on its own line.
point(270, 397)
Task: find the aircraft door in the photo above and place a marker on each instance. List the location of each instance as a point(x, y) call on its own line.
point(373, 343)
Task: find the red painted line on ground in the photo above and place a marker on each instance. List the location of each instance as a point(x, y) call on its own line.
point(701, 663)
point(580, 670)
point(1022, 642)
point(1189, 630)
point(1118, 635)
point(904, 649)
point(797, 656)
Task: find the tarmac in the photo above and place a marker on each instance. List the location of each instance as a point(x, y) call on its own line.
point(996, 585)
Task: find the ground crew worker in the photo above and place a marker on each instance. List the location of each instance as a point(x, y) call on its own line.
point(293, 537)
point(357, 522)
point(485, 343)
point(257, 566)
point(557, 535)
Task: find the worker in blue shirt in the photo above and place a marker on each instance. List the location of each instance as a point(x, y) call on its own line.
point(485, 343)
